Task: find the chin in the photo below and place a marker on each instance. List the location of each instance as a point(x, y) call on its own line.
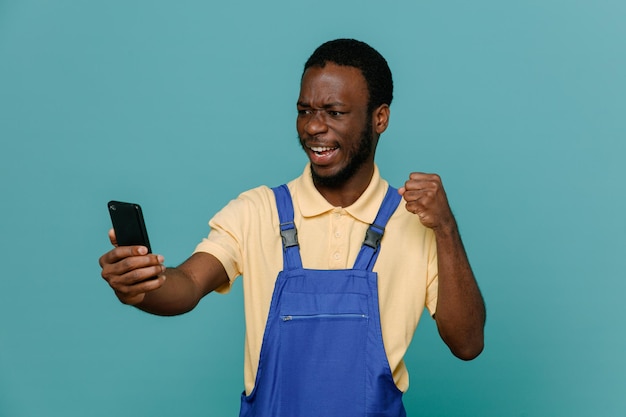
point(331, 180)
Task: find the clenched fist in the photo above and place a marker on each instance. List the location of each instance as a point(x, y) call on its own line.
point(425, 196)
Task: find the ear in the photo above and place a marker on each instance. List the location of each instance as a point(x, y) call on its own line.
point(380, 118)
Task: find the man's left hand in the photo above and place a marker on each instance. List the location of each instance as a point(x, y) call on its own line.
point(425, 196)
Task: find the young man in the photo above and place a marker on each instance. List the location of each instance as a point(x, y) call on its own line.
point(328, 335)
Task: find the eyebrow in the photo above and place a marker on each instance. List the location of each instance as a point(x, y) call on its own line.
point(325, 106)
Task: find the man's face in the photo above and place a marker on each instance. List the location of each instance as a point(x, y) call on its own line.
point(333, 124)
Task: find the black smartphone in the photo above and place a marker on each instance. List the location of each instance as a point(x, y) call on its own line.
point(128, 223)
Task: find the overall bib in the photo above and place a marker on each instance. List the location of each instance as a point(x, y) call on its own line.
point(322, 353)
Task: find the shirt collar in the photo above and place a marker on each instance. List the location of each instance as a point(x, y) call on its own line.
point(311, 203)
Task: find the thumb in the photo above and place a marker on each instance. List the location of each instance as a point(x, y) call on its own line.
point(112, 237)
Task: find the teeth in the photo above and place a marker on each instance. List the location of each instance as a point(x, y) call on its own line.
point(320, 149)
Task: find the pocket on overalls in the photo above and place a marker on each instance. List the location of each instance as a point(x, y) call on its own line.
point(323, 339)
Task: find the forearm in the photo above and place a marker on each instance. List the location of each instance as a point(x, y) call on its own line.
point(178, 294)
point(460, 311)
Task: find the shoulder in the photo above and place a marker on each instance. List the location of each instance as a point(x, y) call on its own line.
point(255, 201)
point(259, 195)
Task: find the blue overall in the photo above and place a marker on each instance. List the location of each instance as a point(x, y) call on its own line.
point(322, 353)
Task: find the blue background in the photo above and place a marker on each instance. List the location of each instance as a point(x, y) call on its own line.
point(179, 106)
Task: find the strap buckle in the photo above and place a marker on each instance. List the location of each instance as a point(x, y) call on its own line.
point(289, 234)
point(373, 236)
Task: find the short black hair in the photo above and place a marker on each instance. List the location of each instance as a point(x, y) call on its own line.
point(353, 53)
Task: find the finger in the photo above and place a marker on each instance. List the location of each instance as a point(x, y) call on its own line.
point(135, 293)
point(147, 284)
point(415, 206)
point(417, 185)
point(140, 275)
point(421, 180)
point(131, 263)
point(121, 252)
point(416, 209)
point(425, 216)
point(423, 176)
point(412, 192)
point(423, 197)
point(414, 185)
point(112, 237)
point(142, 280)
point(123, 259)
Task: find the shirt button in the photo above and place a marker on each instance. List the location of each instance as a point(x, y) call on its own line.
point(336, 256)
point(337, 234)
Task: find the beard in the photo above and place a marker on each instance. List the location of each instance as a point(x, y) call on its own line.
point(358, 156)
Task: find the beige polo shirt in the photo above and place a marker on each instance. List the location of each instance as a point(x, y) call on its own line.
point(245, 237)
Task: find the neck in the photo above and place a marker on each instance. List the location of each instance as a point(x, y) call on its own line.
point(346, 193)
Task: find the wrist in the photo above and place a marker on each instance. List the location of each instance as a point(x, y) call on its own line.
point(446, 230)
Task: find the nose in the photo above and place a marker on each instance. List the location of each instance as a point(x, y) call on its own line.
point(315, 122)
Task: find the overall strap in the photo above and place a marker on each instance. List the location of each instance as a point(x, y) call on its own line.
point(288, 232)
point(371, 245)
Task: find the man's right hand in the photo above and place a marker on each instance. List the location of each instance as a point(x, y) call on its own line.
point(131, 271)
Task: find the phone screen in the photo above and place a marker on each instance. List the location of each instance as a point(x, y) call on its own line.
point(128, 223)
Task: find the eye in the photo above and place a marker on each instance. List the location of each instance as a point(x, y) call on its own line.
point(335, 113)
point(304, 112)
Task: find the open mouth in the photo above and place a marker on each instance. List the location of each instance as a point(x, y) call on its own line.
point(322, 150)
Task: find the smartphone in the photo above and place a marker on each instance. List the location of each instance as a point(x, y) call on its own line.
point(128, 223)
